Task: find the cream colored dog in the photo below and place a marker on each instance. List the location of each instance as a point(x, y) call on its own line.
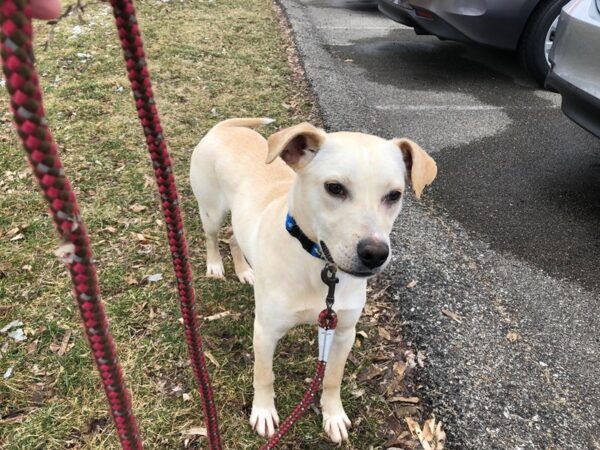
point(341, 188)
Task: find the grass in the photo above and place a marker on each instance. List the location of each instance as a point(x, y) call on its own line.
point(209, 60)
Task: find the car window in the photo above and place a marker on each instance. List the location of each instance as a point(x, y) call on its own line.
point(598, 5)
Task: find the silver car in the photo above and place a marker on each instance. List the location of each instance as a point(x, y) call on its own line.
point(525, 26)
point(575, 61)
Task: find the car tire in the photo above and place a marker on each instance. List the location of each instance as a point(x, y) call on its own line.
point(531, 51)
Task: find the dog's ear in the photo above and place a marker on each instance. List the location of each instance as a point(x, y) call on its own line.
point(421, 167)
point(296, 145)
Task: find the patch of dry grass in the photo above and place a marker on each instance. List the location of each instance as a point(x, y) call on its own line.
point(209, 60)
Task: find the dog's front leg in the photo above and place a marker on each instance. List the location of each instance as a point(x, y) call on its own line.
point(264, 417)
point(335, 420)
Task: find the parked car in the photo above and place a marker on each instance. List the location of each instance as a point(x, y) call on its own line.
point(575, 63)
point(524, 26)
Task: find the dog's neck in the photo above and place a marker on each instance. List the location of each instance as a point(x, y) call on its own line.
point(308, 244)
point(301, 217)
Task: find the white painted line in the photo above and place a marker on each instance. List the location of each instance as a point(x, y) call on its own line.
point(348, 27)
point(456, 107)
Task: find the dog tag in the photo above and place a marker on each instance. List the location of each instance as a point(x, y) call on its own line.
point(325, 340)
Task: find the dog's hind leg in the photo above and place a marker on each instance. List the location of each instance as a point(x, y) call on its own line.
point(242, 269)
point(212, 214)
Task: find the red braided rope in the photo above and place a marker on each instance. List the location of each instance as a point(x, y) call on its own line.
point(26, 103)
point(137, 71)
point(300, 409)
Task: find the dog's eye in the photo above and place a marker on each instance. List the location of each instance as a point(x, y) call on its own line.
point(393, 196)
point(335, 189)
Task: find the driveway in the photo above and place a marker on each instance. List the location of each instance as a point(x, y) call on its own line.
point(508, 237)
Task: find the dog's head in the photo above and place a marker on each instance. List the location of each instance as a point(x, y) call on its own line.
point(349, 189)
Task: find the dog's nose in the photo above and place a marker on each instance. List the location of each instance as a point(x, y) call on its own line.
point(372, 253)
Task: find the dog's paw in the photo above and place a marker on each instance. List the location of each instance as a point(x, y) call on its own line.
point(336, 426)
point(264, 420)
point(215, 270)
point(246, 276)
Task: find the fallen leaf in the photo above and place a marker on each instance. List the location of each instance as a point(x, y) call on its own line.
point(410, 358)
point(148, 181)
point(65, 343)
point(452, 315)
point(37, 371)
point(380, 292)
point(433, 433)
point(31, 348)
point(431, 437)
point(137, 207)
point(370, 373)
point(14, 416)
point(14, 234)
point(152, 278)
point(142, 238)
point(412, 284)
point(411, 400)
point(66, 252)
point(186, 397)
point(421, 358)
point(401, 439)
point(404, 410)
point(362, 334)
point(416, 431)
point(385, 334)
point(399, 369)
point(13, 324)
point(18, 335)
point(358, 393)
point(54, 347)
point(513, 336)
point(176, 390)
point(218, 316)
point(211, 358)
point(97, 425)
point(195, 431)
point(8, 372)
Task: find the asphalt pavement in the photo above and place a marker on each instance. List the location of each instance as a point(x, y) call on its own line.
point(508, 237)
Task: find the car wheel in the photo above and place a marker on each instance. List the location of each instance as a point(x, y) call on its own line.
point(537, 38)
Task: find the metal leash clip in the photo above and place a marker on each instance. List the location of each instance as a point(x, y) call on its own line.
point(327, 317)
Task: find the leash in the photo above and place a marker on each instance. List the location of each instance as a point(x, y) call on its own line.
point(23, 86)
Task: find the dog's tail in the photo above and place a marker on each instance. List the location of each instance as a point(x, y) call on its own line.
point(245, 122)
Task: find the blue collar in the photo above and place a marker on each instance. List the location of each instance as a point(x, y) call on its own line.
point(311, 247)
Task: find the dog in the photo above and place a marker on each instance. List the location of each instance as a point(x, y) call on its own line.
point(342, 188)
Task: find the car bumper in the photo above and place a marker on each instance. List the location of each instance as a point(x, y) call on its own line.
point(401, 11)
point(494, 23)
point(578, 105)
point(575, 71)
